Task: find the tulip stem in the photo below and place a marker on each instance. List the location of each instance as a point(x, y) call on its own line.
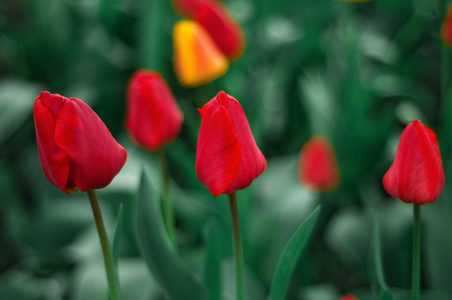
point(416, 252)
point(109, 268)
point(167, 204)
point(238, 250)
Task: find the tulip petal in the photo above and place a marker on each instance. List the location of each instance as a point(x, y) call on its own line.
point(218, 153)
point(253, 161)
point(154, 118)
point(197, 60)
point(94, 156)
point(54, 161)
point(416, 176)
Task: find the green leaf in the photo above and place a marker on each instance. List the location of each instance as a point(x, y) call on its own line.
point(215, 245)
point(289, 256)
point(177, 281)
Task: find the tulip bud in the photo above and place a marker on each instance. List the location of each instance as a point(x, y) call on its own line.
point(227, 157)
point(225, 31)
point(197, 60)
point(317, 166)
point(417, 175)
point(154, 118)
point(446, 28)
point(75, 147)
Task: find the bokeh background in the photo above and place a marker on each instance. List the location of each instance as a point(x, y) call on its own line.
point(356, 73)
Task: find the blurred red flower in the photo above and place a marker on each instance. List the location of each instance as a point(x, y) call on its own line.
point(225, 31)
point(227, 157)
point(417, 175)
point(317, 166)
point(154, 118)
point(75, 147)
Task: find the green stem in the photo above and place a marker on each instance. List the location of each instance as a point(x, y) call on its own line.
point(112, 284)
point(416, 252)
point(168, 211)
point(238, 250)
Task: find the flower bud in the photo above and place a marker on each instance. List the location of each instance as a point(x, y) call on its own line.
point(154, 118)
point(75, 147)
point(417, 175)
point(227, 157)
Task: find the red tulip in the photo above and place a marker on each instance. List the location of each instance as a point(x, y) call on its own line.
point(349, 297)
point(417, 175)
point(227, 157)
point(446, 28)
point(75, 147)
point(154, 118)
point(225, 31)
point(317, 166)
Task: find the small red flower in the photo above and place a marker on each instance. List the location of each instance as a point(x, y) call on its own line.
point(222, 27)
point(417, 175)
point(349, 297)
point(317, 166)
point(446, 28)
point(154, 118)
point(227, 157)
point(75, 147)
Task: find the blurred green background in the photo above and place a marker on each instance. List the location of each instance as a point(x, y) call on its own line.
point(356, 73)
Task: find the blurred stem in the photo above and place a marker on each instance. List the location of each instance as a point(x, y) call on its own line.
point(109, 268)
point(238, 250)
point(168, 211)
point(416, 252)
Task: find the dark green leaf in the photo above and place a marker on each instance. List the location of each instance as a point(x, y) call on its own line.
point(177, 281)
point(289, 256)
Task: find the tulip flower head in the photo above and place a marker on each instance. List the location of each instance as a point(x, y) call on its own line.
point(417, 175)
point(227, 157)
point(197, 60)
point(446, 28)
point(154, 118)
point(317, 166)
point(75, 147)
point(225, 31)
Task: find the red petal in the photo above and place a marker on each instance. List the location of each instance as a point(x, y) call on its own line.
point(222, 27)
point(416, 176)
point(154, 118)
point(94, 155)
point(54, 161)
point(253, 162)
point(218, 152)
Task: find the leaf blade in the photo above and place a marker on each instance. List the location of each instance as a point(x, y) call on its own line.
point(168, 269)
point(289, 256)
